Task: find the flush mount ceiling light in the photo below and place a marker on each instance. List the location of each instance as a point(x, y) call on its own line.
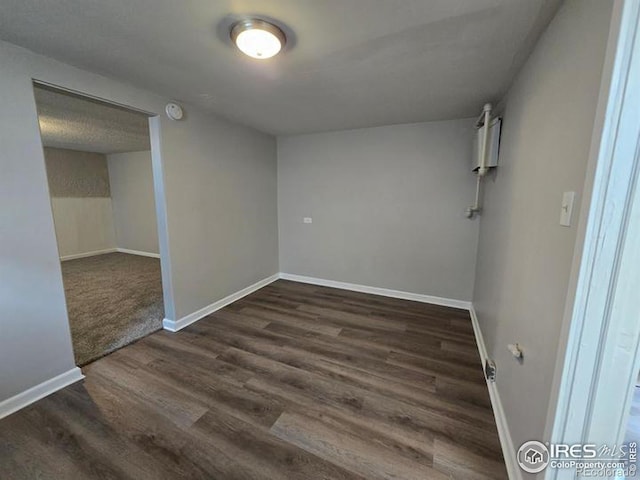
point(257, 38)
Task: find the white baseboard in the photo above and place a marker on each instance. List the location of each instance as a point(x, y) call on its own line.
point(138, 252)
point(385, 292)
point(506, 442)
point(174, 326)
point(33, 394)
point(109, 250)
point(88, 254)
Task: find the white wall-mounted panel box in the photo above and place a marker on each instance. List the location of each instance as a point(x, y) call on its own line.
point(494, 144)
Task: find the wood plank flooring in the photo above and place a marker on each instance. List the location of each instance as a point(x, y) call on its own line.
point(292, 382)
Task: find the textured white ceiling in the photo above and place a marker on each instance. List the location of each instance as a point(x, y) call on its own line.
point(78, 123)
point(348, 64)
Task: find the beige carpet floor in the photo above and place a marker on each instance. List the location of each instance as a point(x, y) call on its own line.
point(112, 299)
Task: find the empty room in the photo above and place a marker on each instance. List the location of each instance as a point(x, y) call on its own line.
point(356, 239)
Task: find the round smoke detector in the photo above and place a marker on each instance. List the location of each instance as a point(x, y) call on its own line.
point(174, 111)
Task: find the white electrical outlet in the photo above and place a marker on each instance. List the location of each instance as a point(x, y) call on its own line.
point(307, 220)
point(567, 208)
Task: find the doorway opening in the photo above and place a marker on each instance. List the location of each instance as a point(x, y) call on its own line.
point(101, 186)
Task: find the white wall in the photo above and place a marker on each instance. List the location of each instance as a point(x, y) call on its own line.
point(134, 210)
point(220, 233)
point(524, 255)
point(80, 201)
point(387, 205)
point(35, 342)
point(83, 225)
point(222, 208)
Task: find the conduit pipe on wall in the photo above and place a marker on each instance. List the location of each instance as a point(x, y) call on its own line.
point(483, 120)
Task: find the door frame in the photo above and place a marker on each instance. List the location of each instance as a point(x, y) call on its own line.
point(601, 360)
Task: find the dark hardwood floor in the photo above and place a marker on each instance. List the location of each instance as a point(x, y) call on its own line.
point(292, 382)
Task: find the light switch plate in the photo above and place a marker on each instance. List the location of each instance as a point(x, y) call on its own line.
point(307, 220)
point(567, 208)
